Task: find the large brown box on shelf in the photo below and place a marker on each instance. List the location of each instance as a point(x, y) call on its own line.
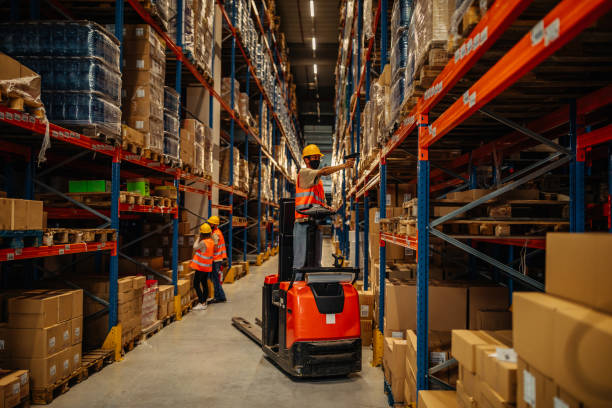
point(16, 214)
point(26, 312)
point(578, 268)
point(485, 297)
point(567, 342)
point(366, 304)
point(21, 80)
point(447, 307)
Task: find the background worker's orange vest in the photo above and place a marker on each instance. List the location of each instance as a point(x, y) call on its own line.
point(305, 197)
point(220, 252)
point(203, 260)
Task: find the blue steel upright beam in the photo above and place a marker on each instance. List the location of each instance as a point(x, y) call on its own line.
point(580, 157)
point(115, 184)
point(177, 87)
point(246, 157)
point(261, 109)
point(357, 123)
point(366, 204)
point(423, 260)
point(230, 235)
point(382, 210)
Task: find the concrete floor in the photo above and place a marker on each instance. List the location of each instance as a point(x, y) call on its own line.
point(202, 361)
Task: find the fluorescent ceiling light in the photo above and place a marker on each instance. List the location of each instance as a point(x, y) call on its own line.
point(312, 8)
point(315, 69)
point(314, 43)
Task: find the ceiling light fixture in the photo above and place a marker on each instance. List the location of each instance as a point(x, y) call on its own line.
point(312, 8)
point(314, 43)
point(315, 69)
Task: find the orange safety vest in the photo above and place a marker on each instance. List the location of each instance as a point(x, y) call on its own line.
point(305, 197)
point(220, 252)
point(202, 260)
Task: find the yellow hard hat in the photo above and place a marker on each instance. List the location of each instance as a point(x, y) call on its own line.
point(205, 229)
point(311, 150)
point(214, 220)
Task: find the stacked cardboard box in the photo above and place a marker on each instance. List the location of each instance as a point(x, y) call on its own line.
point(18, 214)
point(487, 375)
point(437, 399)
point(400, 364)
point(366, 313)
point(14, 388)
point(149, 304)
point(44, 334)
point(144, 70)
point(129, 302)
point(563, 337)
point(165, 297)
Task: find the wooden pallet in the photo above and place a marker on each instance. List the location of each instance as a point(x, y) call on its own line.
point(44, 396)
point(151, 155)
point(58, 236)
point(23, 103)
point(20, 239)
point(171, 161)
point(149, 331)
point(95, 360)
point(131, 147)
point(168, 320)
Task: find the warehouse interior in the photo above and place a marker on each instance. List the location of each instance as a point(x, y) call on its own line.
point(360, 203)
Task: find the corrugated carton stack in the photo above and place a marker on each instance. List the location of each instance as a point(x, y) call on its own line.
point(226, 93)
point(16, 214)
point(366, 314)
point(172, 103)
point(563, 337)
point(44, 334)
point(144, 71)
point(128, 310)
point(204, 17)
point(149, 304)
point(186, 147)
point(487, 372)
point(165, 301)
point(14, 388)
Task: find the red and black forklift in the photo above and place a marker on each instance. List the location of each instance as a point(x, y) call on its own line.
point(310, 324)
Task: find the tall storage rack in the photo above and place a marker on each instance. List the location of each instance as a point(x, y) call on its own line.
point(448, 104)
point(22, 124)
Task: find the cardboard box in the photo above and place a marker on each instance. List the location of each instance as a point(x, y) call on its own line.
point(366, 333)
point(13, 214)
point(469, 381)
point(437, 399)
point(578, 268)
point(447, 307)
point(75, 357)
point(366, 304)
point(76, 330)
point(39, 311)
point(464, 346)
point(24, 382)
point(124, 285)
point(10, 391)
point(43, 371)
point(186, 240)
point(410, 389)
point(494, 320)
point(464, 400)
point(488, 398)
point(534, 389)
point(499, 375)
point(21, 80)
point(138, 282)
point(486, 297)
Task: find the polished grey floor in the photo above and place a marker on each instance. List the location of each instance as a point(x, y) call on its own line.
point(202, 361)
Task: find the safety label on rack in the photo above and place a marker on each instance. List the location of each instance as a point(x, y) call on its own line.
point(471, 44)
point(330, 318)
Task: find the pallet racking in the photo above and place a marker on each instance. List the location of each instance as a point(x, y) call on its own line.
point(77, 147)
point(487, 74)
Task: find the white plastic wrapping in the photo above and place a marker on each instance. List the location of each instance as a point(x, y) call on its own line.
point(367, 19)
point(429, 24)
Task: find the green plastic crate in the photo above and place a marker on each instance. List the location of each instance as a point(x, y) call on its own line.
point(77, 186)
point(140, 186)
point(98, 186)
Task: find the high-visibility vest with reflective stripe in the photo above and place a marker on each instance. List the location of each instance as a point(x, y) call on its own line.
point(305, 197)
point(203, 259)
point(220, 252)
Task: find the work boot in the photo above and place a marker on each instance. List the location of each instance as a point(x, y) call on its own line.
point(200, 306)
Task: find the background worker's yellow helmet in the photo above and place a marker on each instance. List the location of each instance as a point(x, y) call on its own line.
point(214, 220)
point(205, 229)
point(311, 150)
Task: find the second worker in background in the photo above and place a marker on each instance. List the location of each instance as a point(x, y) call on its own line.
point(219, 259)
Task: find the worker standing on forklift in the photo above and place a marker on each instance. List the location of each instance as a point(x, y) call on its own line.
point(202, 264)
point(309, 191)
point(219, 259)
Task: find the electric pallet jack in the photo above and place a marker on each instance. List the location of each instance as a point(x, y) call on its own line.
point(310, 323)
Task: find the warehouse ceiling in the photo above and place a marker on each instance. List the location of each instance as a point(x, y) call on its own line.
point(315, 93)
